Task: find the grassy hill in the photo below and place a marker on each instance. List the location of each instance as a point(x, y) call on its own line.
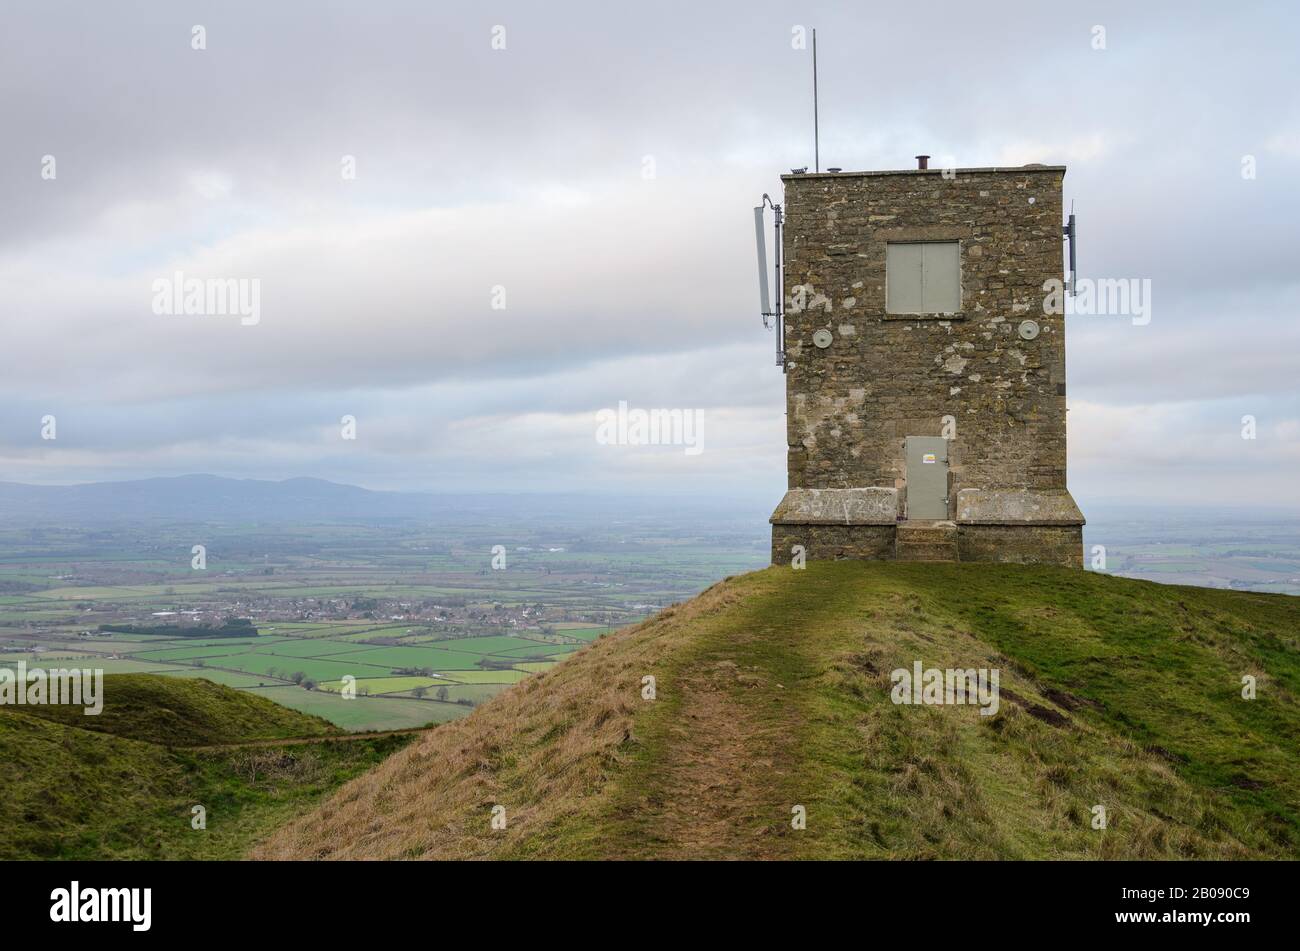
point(172, 711)
point(121, 785)
point(773, 691)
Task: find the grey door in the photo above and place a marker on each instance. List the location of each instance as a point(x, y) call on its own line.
point(927, 477)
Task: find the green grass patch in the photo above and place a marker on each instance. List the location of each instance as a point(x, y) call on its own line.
point(382, 685)
point(509, 676)
point(229, 678)
point(76, 794)
point(107, 664)
point(364, 713)
point(317, 669)
point(431, 657)
point(171, 712)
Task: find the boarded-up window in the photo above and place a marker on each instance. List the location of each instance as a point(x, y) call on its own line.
point(923, 277)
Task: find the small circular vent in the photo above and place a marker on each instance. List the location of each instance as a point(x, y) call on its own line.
point(1028, 329)
point(823, 338)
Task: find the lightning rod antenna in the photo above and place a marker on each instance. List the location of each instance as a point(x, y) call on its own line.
point(817, 159)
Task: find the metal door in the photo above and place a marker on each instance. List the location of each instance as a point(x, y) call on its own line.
point(927, 477)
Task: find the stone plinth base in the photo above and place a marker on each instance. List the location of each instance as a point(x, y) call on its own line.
point(1023, 526)
point(1022, 544)
point(828, 542)
point(835, 523)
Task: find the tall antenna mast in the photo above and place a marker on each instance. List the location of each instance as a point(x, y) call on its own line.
point(817, 159)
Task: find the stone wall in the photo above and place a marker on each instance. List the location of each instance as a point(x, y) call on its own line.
point(828, 542)
point(850, 406)
point(1021, 544)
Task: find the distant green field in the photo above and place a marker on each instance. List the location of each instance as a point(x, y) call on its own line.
point(306, 647)
point(215, 641)
point(109, 639)
point(1166, 567)
point(382, 630)
point(45, 656)
point(230, 679)
point(312, 667)
point(484, 676)
point(434, 657)
point(246, 663)
point(107, 665)
point(294, 629)
point(498, 644)
point(541, 650)
point(187, 653)
point(382, 685)
point(338, 632)
point(115, 646)
point(364, 713)
point(125, 593)
point(586, 632)
point(361, 635)
point(18, 617)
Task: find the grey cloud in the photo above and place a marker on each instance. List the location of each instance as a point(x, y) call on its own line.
point(523, 168)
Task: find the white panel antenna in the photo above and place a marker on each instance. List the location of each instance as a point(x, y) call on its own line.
point(764, 297)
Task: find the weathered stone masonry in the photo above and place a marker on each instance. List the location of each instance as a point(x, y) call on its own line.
point(885, 377)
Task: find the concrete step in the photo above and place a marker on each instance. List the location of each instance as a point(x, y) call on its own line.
point(926, 541)
point(926, 552)
point(926, 535)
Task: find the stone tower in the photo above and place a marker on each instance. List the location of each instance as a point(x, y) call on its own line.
point(925, 386)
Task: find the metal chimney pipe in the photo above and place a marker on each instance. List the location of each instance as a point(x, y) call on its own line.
point(923, 161)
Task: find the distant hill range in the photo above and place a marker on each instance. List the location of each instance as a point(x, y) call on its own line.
point(208, 497)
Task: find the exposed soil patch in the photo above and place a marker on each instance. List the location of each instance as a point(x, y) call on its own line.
point(1069, 701)
point(1035, 710)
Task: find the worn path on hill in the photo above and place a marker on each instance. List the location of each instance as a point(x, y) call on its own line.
point(773, 691)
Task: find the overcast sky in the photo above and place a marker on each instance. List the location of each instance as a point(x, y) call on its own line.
point(526, 168)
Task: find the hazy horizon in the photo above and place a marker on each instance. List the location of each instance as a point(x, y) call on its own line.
point(732, 501)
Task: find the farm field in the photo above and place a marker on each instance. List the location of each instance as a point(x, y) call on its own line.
point(226, 677)
point(511, 676)
point(401, 605)
point(540, 650)
point(296, 670)
point(1241, 551)
point(303, 666)
point(586, 632)
point(108, 665)
point(378, 686)
point(364, 713)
